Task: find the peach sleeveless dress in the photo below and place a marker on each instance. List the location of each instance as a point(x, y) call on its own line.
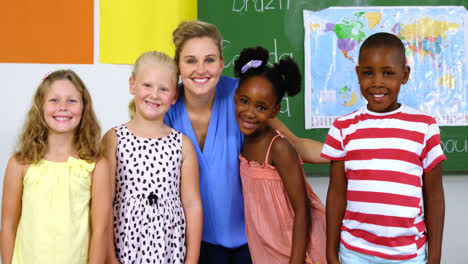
point(269, 215)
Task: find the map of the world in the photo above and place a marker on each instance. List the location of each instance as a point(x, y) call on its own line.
point(434, 39)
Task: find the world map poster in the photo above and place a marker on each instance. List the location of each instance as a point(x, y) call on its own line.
point(435, 40)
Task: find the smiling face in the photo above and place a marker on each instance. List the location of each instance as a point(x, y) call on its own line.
point(62, 108)
point(381, 73)
point(154, 88)
point(200, 66)
point(255, 105)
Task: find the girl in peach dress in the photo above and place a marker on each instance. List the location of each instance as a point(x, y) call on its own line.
point(285, 220)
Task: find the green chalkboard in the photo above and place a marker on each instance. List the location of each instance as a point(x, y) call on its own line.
point(278, 26)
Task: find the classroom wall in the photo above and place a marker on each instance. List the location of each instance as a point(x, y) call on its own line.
point(108, 85)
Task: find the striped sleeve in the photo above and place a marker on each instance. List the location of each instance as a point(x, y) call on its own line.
point(333, 147)
point(432, 153)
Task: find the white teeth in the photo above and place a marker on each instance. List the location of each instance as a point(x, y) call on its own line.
point(378, 95)
point(154, 104)
point(249, 123)
point(200, 80)
point(62, 118)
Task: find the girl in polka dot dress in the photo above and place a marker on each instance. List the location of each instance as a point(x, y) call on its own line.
point(157, 206)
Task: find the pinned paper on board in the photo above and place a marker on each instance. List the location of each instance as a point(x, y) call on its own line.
point(436, 50)
point(47, 32)
point(129, 28)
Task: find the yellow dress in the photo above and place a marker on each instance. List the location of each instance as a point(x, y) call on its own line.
point(55, 222)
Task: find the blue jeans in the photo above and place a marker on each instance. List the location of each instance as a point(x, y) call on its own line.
point(348, 256)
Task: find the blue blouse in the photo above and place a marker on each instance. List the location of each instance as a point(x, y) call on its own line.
point(220, 185)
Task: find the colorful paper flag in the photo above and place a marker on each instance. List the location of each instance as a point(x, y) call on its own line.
point(129, 28)
point(47, 31)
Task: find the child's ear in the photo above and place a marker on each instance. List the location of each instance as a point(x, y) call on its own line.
point(176, 95)
point(276, 110)
point(357, 71)
point(236, 95)
point(406, 73)
point(131, 85)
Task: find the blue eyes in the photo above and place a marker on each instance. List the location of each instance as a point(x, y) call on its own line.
point(207, 60)
point(55, 100)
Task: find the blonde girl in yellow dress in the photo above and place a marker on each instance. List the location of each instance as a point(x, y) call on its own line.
point(56, 195)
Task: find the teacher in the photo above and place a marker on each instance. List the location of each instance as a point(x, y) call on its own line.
point(205, 112)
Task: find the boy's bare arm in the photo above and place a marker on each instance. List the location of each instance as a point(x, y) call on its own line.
point(434, 210)
point(309, 149)
point(336, 206)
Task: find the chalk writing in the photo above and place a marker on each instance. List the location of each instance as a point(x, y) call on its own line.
point(274, 54)
point(454, 145)
point(285, 107)
point(259, 5)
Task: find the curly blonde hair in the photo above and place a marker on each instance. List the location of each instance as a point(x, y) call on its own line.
point(151, 58)
point(32, 144)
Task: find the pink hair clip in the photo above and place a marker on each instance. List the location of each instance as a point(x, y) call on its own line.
point(46, 75)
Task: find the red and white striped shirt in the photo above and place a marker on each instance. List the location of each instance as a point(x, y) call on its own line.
point(385, 156)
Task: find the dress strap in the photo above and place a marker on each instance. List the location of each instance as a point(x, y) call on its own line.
point(271, 144)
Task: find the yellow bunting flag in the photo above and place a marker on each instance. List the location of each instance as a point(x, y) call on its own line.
point(129, 28)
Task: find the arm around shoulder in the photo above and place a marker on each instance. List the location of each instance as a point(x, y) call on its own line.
point(101, 208)
point(11, 206)
point(309, 149)
point(191, 201)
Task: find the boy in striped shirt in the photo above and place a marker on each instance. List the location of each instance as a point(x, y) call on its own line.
point(385, 201)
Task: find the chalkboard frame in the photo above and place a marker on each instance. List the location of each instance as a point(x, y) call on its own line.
point(278, 26)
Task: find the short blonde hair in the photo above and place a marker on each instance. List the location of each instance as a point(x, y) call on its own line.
point(33, 140)
point(195, 29)
point(151, 58)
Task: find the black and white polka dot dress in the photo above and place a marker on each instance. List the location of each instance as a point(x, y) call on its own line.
point(149, 222)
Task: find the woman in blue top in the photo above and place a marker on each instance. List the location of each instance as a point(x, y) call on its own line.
point(205, 112)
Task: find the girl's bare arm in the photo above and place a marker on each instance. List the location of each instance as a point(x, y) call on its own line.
point(191, 201)
point(11, 207)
